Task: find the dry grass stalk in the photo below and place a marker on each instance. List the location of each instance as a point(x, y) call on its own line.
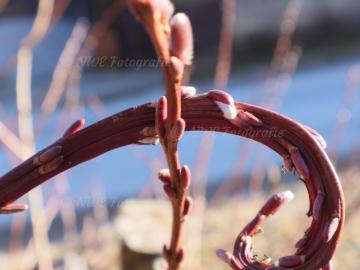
point(281, 71)
point(26, 132)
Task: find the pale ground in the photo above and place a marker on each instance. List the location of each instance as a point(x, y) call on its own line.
point(147, 224)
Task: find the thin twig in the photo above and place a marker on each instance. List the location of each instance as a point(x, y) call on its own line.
point(221, 79)
point(343, 116)
point(63, 70)
point(284, 47)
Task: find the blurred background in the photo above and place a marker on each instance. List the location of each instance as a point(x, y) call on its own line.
point(62, 60)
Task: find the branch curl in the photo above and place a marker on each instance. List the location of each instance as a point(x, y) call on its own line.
point(297, 144)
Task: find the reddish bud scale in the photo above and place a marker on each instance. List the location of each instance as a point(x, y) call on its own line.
point(51, 166)
point(177, 68)
point(75, 127)
point(239, 123)
point(301, 243)
point(288, 165)
point(177, 130)
point(13, 208)
point(180, 256)
point(254, 226)
point(161, 115)
point(291, 261)
point(187, 205)
point(330, 229)
point(250, 119)
point(318, 204)
point(170, 192)
point(181, 39)
point(164, 176)
point(276, 202)
point(299, 163)
point(224, 255)
point(47, 155)
point(185, 175)
point(149, 132)
point(166, 253)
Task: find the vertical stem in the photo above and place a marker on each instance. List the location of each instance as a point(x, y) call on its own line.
point(171, 151)
point(151, 15)
point(170, 148)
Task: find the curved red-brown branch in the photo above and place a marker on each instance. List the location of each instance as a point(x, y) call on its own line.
point(294, 142)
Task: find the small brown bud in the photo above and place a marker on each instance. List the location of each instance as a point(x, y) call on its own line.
point(180, 255)
point(318, 203)
point(224, 255)
point(161, 115)
point(166, 253)
point(301, 243)
point(51, 166)
point(181, 44)
point(177, 130)
point(170, 192)
point(254, 226)
point(276, 202)
point(13, 208)
point(164, 176)
point(47, 155)
point(250, 119)
point(148, 132)
point(288, 165)
point(185, 177)
point(291, 261)
point(75, 127)
point(187, 205)
point(299, 163)
point(331, 229)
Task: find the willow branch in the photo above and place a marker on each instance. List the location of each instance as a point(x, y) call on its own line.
point(157, 18)
point(300, 149)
